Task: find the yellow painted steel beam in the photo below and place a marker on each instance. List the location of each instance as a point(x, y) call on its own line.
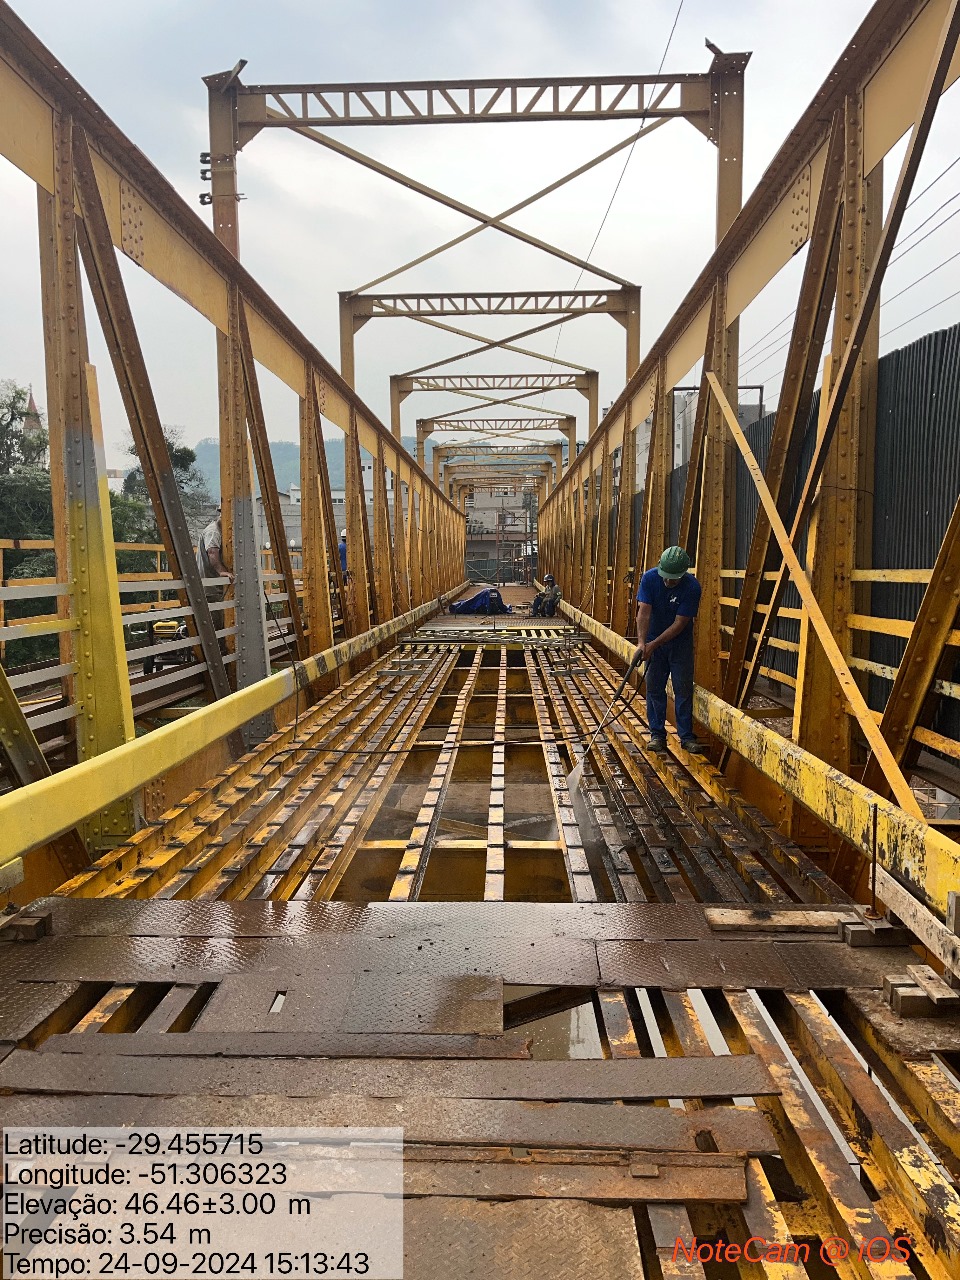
point(36, 814)
point(917, 865)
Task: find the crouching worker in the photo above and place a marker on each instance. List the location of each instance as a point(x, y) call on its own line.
point(545, 602)
point(667, 604)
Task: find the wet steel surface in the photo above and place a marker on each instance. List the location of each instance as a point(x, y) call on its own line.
point(433, 1006)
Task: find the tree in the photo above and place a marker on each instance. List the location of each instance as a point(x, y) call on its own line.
point(23, 437)
point(194, 493)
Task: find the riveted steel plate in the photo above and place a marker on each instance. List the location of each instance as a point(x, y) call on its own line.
point(833, 965)
point(432, 1006)
point(446, 1121)
point(23, 1005)
point(678, 966)
point(643, 1079)
point(684, 1178)
point(548, 1239)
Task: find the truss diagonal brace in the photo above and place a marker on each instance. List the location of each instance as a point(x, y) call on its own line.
point(898, 783)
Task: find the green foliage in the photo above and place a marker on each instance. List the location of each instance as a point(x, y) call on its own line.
point(191, 482)
point(23, 437)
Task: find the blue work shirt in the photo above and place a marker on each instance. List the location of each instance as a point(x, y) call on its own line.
point(666, 603)
point(342, 548)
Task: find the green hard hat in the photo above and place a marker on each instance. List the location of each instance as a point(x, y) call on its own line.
point(674, 563)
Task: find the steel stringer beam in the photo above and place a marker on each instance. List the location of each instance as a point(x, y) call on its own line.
point(119, 330)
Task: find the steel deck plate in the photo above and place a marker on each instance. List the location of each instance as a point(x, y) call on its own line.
point(546, 1239)
point(643, 1079)
point(432, 1006)
point(251, 919)
point(446, 1121)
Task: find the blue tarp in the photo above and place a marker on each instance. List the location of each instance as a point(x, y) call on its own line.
point(487, 601)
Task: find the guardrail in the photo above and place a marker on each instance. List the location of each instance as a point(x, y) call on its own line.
point(37, 814)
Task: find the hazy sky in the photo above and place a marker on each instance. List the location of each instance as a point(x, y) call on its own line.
point(313, 223)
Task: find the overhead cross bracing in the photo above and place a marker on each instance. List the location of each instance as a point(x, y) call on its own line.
point(384, 895)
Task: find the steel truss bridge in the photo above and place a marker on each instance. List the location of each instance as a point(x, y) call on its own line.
point(322, 861)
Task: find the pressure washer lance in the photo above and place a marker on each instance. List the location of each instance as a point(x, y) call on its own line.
point(575, 779)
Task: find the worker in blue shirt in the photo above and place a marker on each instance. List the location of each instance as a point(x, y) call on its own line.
point(667, 604)
point(342, 549)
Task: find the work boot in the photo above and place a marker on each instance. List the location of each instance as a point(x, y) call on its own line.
point(692, 745)
point(658, 744)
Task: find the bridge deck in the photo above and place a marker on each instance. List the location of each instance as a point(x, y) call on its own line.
point(389, 908)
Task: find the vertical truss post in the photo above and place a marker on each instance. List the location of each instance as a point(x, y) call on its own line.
point(222, 118)
point(249, 639)
point(116, 320)
point(726, 110)
point(102, 689)
point(601, 588)
point(620, 603)
point(414, 519)
point(359, 560)
point(711, 535)
point(385, 584)
point(396, 397)
point(569, 429)
point(348, 329)
point(400, 541)
point(661, 456)
point(592, 393)
point(314, 539)
point(588, 561)
point(316, 386)
point(631, 298)
point(820, 722)
point(49, 239)
point(423, 430)
point(268, 481)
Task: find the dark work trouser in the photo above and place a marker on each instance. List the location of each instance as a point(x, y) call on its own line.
point(675, 661)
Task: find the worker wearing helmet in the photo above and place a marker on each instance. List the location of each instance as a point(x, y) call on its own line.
point(545, 602)
point(342, 548)
point(667, 604)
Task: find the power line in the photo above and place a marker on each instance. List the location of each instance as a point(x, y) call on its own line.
point(747, 350)
point(926, 276)
point(922, 313)
point(666, 50)
point(910, 234)
point(911, 247)
point(940, 175)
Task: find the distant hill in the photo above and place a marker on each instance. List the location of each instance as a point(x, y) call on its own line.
point(286, 461)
